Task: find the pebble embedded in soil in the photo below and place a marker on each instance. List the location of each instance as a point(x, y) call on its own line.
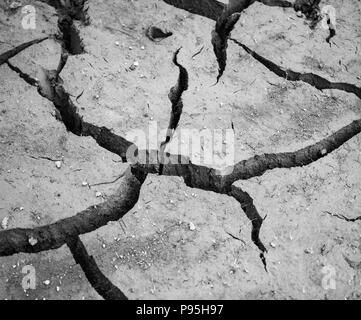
point(192, 227)
point(273, 245)
point(5, 222)
point(134, 65)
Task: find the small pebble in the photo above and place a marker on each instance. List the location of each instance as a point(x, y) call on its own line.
point(192, 227)
point(84, 183)
point(33, 241)
point(47, 282)
point(98, 194)
point(134, 65)
point(58, 164)
point(273, 245)
point(5, 222)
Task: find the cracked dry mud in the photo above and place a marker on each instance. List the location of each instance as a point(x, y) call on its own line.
point(292, 99)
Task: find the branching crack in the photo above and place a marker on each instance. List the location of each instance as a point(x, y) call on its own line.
point(4, 57)
point(50, 86)
point(252, 214)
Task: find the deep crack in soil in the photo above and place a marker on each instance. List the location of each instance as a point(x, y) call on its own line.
point(67, 231)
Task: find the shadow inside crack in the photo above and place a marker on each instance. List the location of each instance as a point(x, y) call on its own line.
point(70, 36)
point(252, 214)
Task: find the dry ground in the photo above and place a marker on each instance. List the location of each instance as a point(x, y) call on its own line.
point(154, 254)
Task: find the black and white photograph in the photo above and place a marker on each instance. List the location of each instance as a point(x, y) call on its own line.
point(180, 150)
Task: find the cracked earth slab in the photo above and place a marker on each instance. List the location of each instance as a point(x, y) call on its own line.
point(241, 97)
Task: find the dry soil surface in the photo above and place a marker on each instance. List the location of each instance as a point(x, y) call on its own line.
point(154, 252)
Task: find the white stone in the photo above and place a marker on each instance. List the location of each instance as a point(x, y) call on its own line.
point(33, 241)
point(5, 222)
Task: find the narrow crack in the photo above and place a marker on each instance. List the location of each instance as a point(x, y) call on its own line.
point(96, 278)
point(312, 79)
point(252, 214)
point(28, 79)
point(342, 217)
point(175, 97)
point(224, 26)
point(4, 57)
